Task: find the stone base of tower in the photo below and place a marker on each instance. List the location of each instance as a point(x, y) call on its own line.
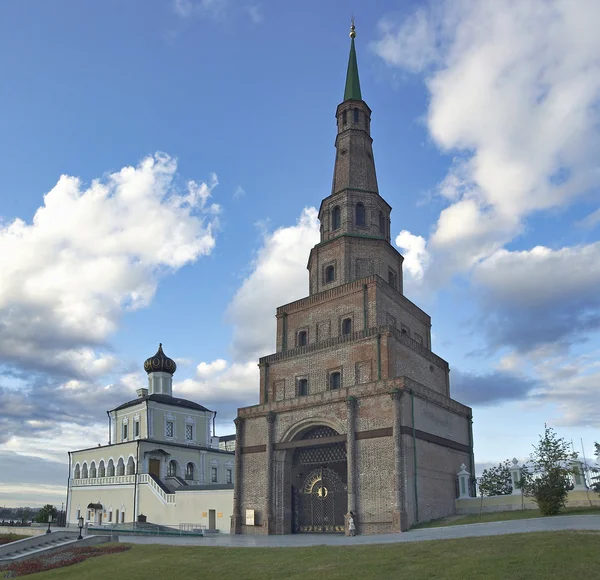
point(355, 446)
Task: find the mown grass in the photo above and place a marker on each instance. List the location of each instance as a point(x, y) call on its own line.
point(501, 516)
point(536, 556)
point(7, 538)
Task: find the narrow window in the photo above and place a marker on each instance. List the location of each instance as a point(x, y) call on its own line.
point(89, 515)
point(78, 514)
point(329, 274)
point(189, 432)
point(169, 429)
point(334, 381)
point(336, 218)
point(302, 387)
point(360, 214)
point(125, 432)
point(229, 476)
point(346, 326)
point(122, 517)
point(213, 474)
point(302, 338)
point(345, 118)
point(355, 111)
point(382, 223)
point(189, 471)
point(110, 516)
point(172, 469)
point(136, 429)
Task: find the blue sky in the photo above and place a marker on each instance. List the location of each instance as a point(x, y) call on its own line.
point(202, 132)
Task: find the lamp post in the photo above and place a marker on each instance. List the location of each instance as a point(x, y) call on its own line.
point(80, 525)
point(49, 521)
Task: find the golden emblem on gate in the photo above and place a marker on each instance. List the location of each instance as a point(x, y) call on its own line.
point(322, 492)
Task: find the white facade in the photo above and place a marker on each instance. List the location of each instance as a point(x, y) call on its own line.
point(162, 462)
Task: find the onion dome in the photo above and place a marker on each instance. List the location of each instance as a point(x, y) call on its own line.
point(160, 362)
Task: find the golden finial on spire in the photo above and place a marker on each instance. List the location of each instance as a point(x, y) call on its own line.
point(352, 29)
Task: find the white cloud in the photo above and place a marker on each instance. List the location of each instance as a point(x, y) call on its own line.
point(514, 91)
point(239, 192)
point(279, 276)
point(90, 253)
point(416, 257)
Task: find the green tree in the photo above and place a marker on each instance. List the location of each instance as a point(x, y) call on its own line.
point(47, 510)
point(496, 480)
point(547, 476)
point(596, 475)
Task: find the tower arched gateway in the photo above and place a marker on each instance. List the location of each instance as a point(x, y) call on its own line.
point(319, 484)
point(356, 354)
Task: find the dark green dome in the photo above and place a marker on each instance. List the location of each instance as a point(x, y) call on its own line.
point(160, 362)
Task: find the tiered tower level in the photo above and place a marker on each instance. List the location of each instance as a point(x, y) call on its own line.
point(353, 367)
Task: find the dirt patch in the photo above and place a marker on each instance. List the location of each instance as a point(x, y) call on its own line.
point(60, 559)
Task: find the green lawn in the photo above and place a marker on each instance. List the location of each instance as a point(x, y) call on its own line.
point(558, 555)
point(7, 538)
point(500, 516)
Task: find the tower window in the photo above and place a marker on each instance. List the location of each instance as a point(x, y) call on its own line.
point(346, 326)
point(360, 214)
point(382, 223)
point(302, 338)
point(345, 118)
point(355, 112)
point(335, 380)
point(329, 274)
point(392, 279)
point(302, 387)
point(336, 218)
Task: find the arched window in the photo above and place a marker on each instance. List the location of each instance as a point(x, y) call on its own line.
point(346, 326)
point(101, 469)
point(335, 380)
point(336, 218)
point(77, 473)
point(189, 471)
point(302, 387)
point(360, 214)
point(345, 118)
point(172, 468)
point(302, 338)
point(110, 471)
point(382, 223)
point(130, 466)
point(84, 471)
point(329, 274)
point(355, 112)
point(93, 469)
point(121, 467)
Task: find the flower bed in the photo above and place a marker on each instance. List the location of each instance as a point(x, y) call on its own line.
point(8, 538)
point(60, 559)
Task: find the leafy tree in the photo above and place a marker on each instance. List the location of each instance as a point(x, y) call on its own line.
point(596, 476)
point(47, 510)
point(496, 480)
point(547, 476)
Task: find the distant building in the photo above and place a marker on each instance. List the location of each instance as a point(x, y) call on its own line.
point(162, 461)
point(227, 442)
point(355, 411)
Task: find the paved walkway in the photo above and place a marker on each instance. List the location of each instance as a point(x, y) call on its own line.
point(556, 523)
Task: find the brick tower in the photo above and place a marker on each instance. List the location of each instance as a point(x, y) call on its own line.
point(355, 411)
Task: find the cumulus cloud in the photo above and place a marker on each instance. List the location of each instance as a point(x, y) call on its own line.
point(416, 256)
point(91, 253)
point(514, 92)
point(279, 276)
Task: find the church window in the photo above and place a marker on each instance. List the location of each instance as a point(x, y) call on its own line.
point(346, 326)
point(78, 516)
point(121, 467)
point(360, 214)
point(125, 433)
point(130, 466)
point(110, 516)
point(172, 468)
point(336, 218)
point(229, 476)
point(122, 517)
point(302, 387)
point(110, 472)
point(382, 223)
point(93, 469)
point(302, 338)
point(345, 118)
point(189, 432)
point(335, 380)
point(355, 112)
point(329, 274)
point(189, 471)
point(392, 278)
point(89, 515)
point(214, 474)
point(84, 471)
point(101, 469)
point(136, 429)
point(169, 429)
point(77, 473)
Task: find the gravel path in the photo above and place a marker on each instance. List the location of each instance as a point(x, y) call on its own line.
point(556, 523)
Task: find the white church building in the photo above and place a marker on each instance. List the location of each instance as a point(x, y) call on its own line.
point(163, 461)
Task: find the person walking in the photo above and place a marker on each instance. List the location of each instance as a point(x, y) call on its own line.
point(351, 524)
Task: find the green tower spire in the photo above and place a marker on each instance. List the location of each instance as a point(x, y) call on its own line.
point(352, 91)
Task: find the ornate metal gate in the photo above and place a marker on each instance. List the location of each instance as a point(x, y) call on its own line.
point(321, 499)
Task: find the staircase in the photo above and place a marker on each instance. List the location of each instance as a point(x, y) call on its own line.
point(44, 544)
